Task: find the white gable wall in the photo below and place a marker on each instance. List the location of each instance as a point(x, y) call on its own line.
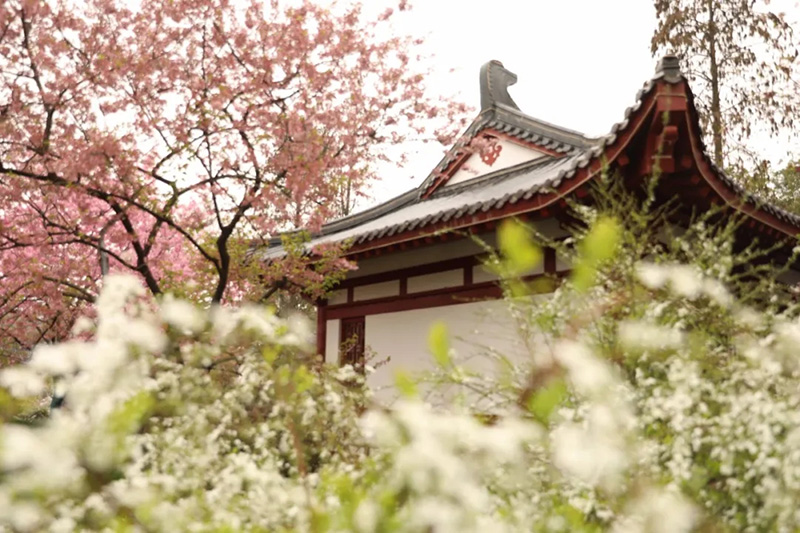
point(510, 154)
point(399, 341)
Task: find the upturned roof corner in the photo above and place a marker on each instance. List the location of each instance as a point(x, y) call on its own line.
point(660, 130)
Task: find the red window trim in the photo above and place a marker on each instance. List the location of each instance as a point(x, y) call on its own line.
point(488, 290)
point(416, 270)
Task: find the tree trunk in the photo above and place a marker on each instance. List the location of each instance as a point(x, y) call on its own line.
point(716, 112)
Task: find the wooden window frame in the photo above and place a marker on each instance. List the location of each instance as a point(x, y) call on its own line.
point(352, 341)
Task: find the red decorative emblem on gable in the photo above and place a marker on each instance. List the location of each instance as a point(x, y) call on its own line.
point(489, 151)
point(490, 154)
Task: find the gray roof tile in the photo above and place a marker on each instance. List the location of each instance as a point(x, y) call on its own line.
point(411, 211)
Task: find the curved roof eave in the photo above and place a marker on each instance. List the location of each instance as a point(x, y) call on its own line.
point(568, 174)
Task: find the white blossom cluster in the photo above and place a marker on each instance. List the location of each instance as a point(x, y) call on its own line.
point(669, 394)
point(681, 397)
point(176, 420)
point(724, 405)
point(179, 420)
point(657, 402)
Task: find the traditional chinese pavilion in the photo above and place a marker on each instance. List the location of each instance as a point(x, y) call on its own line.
point(417, 265)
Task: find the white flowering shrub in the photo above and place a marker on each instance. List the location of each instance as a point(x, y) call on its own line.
point(665, 373)
point(660, 395)
point(176, 420)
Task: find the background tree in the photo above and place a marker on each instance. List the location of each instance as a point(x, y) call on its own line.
point(166, 139)
point(778, 186)
point(739, 56)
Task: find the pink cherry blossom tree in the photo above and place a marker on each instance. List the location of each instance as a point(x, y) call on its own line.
point(170, 137)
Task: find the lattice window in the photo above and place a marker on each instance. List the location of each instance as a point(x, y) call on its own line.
point(351, 345)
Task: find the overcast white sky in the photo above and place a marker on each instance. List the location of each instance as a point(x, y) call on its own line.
point(579, 62)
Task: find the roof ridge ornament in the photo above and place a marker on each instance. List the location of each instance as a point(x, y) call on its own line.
point(669, 68)
point(495, 81)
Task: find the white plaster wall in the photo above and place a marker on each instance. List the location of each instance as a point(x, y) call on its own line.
point(511, 154)
point(551, 228)
point(421, 256)
point(562, 263)
point(443, 251)
point(437, 280)
point(376, 290)
point(481, 274)
point(332, 328)
point(400, 340)
point(338, 297)
point(790, 277)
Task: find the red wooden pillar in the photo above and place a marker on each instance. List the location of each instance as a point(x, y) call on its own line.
point(321, 328)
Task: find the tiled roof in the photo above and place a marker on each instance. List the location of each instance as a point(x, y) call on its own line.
point(490, 191)
point(517, 124)
point(412, 211)
point(754, 200)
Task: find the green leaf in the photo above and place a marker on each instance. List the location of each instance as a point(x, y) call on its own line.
point(602, 241)
point(128, 418)
point(699, 479)
point(405, 384)
point(284, 375)
point(583, 275)
point(270, 354)
point(121, 525)
point(439, 344)
point(520, 252)
point(575, 518)
point(303, 379)
point(599, 245)
point(545, 400)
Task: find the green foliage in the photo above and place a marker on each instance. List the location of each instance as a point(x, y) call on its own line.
point(740, 58)
point(406, 384)
point(597, 247)
point(439, 344)
point(129, 417)
point(520, 254)
point(547, 398)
